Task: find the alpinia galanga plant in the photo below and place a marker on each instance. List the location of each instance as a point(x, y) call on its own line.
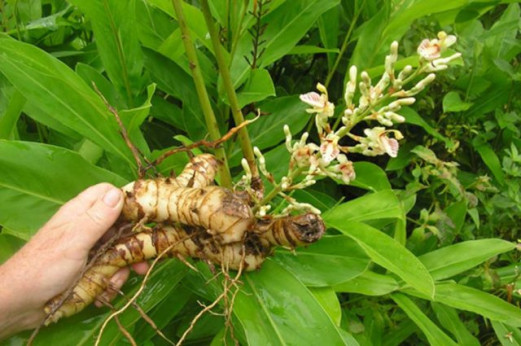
point(380, 102)
point(225, 219)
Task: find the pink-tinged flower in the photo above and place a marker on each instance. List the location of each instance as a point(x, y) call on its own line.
point(390, 145)
point(431, 49)
point(344, 170)
point(303, 155)
point(319, 102)
point(329, 148)
point(378, 142)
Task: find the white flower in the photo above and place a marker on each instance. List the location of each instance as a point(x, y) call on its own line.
point(432, 49)
point(350, 87)
point(378, 142)
point(329, 148)
point(441, 63)
point(319, 102)
point(321, 106)
point(429, 49)
point(345, 169)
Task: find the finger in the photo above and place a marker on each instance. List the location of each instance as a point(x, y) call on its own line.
point(141, 268)
point(114, 286)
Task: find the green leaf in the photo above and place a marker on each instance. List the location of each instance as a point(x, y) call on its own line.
point(453, 103)
point(12, 113)
point(91, 76)
point(449, 261)
point(326, 296)
point(470, 299)
point(194, 20)
point(60, 93)
point(173, 80)
point(489, 156)
point(278, 112)
point(318, 199)
point(133, 118)
point(370, 284)
point(412, 117)
point(305, 49)
point(115, 32)
point(507, 335)
point(286, 25)
point(332, 260)
point(258, 87)
point(407, 12)
point(388, 253)
point(28, 10)
point(328, 26)
point(163, 313)
point(370, 177)
point(450, 320)
point(40, 178)
point(272, 306)
point(434, 334)
point(373, 206)
point(173, 271)
point(369, 41)
point(9, 245)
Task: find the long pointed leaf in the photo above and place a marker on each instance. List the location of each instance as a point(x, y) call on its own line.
point(470, 299)
point(434, 334)
point(37, 179)
point(388, 253)
point(276, 309)
point(61, 93)
point(113, 24)
point(448, 261)
point(373, 206)
point(330, 261)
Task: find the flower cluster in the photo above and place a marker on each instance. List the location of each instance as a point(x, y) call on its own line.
point(380, 102)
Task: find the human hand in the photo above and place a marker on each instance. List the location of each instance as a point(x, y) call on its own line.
point(54, 258)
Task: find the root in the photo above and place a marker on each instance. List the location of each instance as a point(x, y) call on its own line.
point(142, 313)
point(135, 296)
point(197, 317)
point(193, 219)
point(227, 283)
point(228, 304)
point(125, 332)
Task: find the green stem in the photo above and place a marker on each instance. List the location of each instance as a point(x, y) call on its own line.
point(278, 188)
point(244, 138)
point(204, 100)
point(344, 46)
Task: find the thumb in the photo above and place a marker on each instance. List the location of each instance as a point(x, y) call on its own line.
point(100, 215)
point(89, 215)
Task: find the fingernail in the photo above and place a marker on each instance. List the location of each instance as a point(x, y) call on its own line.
point(112, 197)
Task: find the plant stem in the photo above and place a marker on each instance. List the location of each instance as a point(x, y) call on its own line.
point(238, 117)
point(278, 188)
point(204, 100)
point(344, 46)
